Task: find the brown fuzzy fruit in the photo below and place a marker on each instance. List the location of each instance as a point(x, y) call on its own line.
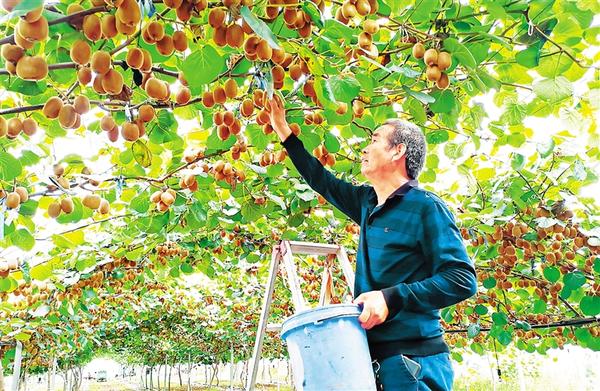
point(34, 31)
point(112, 82)
point(443, 82)
point(104, 207)
point(220, 36)
point(135, 58)
point(219, 95)
point(23, 194)
point(80, 52)
point(418, 50)
point(155, 31)
point(67, 116)
point(208, 99)
point(235, 36)
point(363, 7)
point(348, 10)
point(97, 85)
point(342, 108)
point(107, 123)
point(365, 40)
point(433, 73)
point(12, 53)
point(113, 134)
point(165, 45)
point(100, 62)
point(173, 4)
point(126, 29)
point(92, 28)
point(81, 103)
point(147, 65)
point(29, 126)
point(146, 113)
point(129, 13)
point(3, 127)
point(91, 201)
point(231, 88)
point(444, 61)
point(14, 127)
point(58, 169)
point(167, 198)
point(12, 200)
point(52, 107)
point(180, 42)
point(223, 132)
point(54, 210)
point(66, 205)
point(22, 42)
point(130, 131)
point(156, 89)
point(264, 51)
point(183, 96)
point(247, 107)
point(216, 17)
point(371, 26)
point(430, 57)
point(108, 26)
point(84, 75)
point(32, 68)
point(34, 14)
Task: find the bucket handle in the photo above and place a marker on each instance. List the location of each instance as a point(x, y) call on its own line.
point(319, 322)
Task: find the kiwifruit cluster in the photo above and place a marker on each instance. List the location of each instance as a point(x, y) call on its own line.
point(14, 126)
point(224, 171)
point(351, 9)
point(188, 181)
point(238, 148)
point(193, 155)
point(313, 118)
point(227, 124)
point(16, 197)
point(24, 66)
point(437, 62)
point(268, 158)
point(154, 33)
point(163, 199)
point(64, 205)
point(326, 158)
point(68, 114)
point(95, 202)
point(220, 94)
point(7, 266)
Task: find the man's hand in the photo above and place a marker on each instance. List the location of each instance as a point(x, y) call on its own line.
point(274, 107)
point(375, 310)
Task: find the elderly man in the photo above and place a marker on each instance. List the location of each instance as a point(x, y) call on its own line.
point(411, 259)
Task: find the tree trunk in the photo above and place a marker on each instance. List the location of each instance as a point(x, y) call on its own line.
point(189, 388)
point(169, 383)
point(151, 381)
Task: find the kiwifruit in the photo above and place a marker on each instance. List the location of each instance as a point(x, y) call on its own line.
point(223, 132)
point(305, 30)
point(97, 85)
point(3, 127)
point(183, 96)
point(81, 103)
point(12, 200)
point(34, 31)
point(247, 107)
point(208, 99)
point(309, 88)
point(172, 3)
point(52, 107)
point(371, 26)
point(14, 127)
point(289, 15)
point(146, 113)
point(295, 72)
point(264, 51)
point(374, 6)
point(246, 27)
point(348, 10)
point(155, 31)
point(108, 26)
point(433, 73)
point(339, 16)
point(104, 207)
point(8, 5)
point(184, 13)
point(100, 62)
point(147, 64)
point(228, 118)
point(29, 126)
point(271, 12)
point(155, 197)
point(278, 73)
point(216, 17)
point(231, 88)
point(91, 201)
point(365, 40)
point(54, 210)
point(167, 197)
point(130, 131)
point(32, 68)
point(418, 50)
point(263, 117)
point(156, 89)
point(67, 116)
point(80, 52)
point(430, 57)
point(124, 28)
point(358, 108)
point(58, 169)
point(66, 205)
point(84, 75)
point(22, 42)
point(92, 28)
point(363, 7)
point(180, 42)
point(165, 45)
point(219, 95)
point(220, 36)
point(235, 127)
point(278, 56)
point(12, 53)
point(112, 82)
point(11, 68)
point(107, 123)
point(200, 5)
point(257, 97)
point(77, 123)
point(218, 118)
point(251, 44)
point(129, 12)
point(444, 60)
point(443, 82)
point(135, 58)
point(113, 134)
point(342, 108)
point(235, 36)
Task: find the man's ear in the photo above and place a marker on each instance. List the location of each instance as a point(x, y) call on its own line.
point(399, 151)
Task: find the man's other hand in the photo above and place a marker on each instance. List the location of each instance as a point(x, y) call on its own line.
point(375, 310)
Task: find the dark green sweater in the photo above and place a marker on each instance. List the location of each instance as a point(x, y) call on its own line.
point(409, 248)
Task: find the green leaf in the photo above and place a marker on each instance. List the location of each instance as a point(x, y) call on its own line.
point(523, 325)
point(187, 268)
point(553, 90)
point(10, 168)
point(344, 87)
point(437, 136)
point(445, 101)
point(41, 271)
point(529, 57)
point(23, 239)
point(314, 12)
point(259, 27)
point(505, 337)
point(551, 274)
point(481, 309)
point(473, 330)
point(8, 284)
point(478, 348)
point(574, 280)
point(499, 318)
point(421, 96)
point(324, 93)
point(331, 143)
point(590, 305)
point(539, 306)
point(517, 161)
point(460, 52)
point(201, 67)
point(489, 282)
point(141, 153)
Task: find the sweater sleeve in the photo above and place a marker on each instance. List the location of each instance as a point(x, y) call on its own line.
point(453, 276)
point(341, 194)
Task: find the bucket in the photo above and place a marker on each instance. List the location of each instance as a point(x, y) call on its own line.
point(328, 349)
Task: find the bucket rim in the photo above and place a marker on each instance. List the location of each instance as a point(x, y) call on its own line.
point(312, 315)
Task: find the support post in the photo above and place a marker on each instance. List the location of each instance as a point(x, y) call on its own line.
point(17, 367)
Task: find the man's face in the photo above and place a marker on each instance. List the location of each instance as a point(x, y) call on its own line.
point(378, 156)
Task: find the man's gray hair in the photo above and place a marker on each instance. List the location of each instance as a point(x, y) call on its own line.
point(412, 137)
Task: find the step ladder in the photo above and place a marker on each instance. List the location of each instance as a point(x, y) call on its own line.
point(284, 253)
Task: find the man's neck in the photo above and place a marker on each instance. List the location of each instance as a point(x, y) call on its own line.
point(384, 188)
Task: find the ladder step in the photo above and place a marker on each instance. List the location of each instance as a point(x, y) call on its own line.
point(272, 327)
point(313, 248)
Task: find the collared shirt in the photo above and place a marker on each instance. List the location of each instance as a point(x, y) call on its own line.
point(409, 248)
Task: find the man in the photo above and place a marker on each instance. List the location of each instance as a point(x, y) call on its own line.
point(411, 260)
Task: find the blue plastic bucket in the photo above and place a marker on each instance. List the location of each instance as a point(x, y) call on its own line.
point(328, 349)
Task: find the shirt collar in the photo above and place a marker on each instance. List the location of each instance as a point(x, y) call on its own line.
point(405, 188)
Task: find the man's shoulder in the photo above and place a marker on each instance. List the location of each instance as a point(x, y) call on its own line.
point(426, 197)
